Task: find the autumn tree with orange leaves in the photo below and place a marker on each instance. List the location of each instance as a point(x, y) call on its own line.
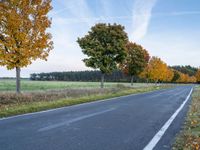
point(136, 60)
point(169, 75)
point(157, 70)
point(198, 76)
point(23, 36)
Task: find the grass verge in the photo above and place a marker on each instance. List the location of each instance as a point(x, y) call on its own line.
point(189, 138)
point(22, 108)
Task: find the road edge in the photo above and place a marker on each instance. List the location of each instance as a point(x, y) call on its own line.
point(158, 136)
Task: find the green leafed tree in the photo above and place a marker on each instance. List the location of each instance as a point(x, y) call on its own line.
point(105, 46)
point(23, 36)
point(136, 60)
point(176, 76)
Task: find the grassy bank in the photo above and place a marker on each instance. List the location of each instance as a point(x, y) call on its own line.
point(189, 138)
point(28, 102)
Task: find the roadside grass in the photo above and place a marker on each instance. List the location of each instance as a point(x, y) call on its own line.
point(26, 103)
point(189, 138)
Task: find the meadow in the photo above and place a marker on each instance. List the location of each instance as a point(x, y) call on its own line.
point(28, 85)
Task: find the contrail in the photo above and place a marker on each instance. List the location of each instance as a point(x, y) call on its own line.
point(142, 12)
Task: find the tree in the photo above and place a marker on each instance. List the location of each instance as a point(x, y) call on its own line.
point(156, 70)
point(136, 60)
point(192, 79)
point(169, 75)
point(185, 78)
point(23, 36)
point(198, 75)
point(105, 47)
point(176, 76)
point(191, 71)
point(145, 74)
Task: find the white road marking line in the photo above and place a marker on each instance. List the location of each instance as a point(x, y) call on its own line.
point(53, 126)
point(161, 132)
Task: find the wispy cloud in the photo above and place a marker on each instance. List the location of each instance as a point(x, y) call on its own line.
point(180, 13)
point(78, 9)
point(142, 12)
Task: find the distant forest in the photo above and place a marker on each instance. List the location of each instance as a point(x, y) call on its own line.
point(191, 71)
point(94, 76)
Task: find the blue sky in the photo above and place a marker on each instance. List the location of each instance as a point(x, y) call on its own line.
point(169, 29)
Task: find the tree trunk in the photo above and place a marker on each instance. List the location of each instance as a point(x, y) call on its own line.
point(18, 86)
point(156, 82)
point(147, 81)
point(132, 80)
point(102, 80)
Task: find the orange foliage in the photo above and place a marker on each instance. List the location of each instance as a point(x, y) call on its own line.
point(23, 36)
point(169, 75)
point(192, 79)
point(157, 70)
point(198, 75)
point(185, 78)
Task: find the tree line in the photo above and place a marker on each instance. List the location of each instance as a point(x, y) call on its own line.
point(191, 71)
point(93, 76)
point(115, 76)
point(108, 48)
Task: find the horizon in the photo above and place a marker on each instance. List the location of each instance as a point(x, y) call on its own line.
point(167, 29)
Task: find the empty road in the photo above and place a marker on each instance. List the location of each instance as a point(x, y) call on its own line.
point(131, 122)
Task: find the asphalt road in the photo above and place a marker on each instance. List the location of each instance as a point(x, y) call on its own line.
point(125, 123)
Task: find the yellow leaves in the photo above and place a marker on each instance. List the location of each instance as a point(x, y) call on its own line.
point(198, 75)
point(189, 139)
point(194, 123)
point(192, 143)
point(23, 37)
point(157, 70)
point(184, 78)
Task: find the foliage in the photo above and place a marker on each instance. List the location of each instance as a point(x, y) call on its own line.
point(198, 75)
point(116, 76)
point(23, 36)
point(185, 78)
point(169, 75)
point(105, 46)
point(157, 70)
point(136, 59)
point(191, 71)
point(22, 32)
point(176, 76)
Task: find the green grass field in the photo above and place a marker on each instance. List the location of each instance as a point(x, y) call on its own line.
point(27, 85)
